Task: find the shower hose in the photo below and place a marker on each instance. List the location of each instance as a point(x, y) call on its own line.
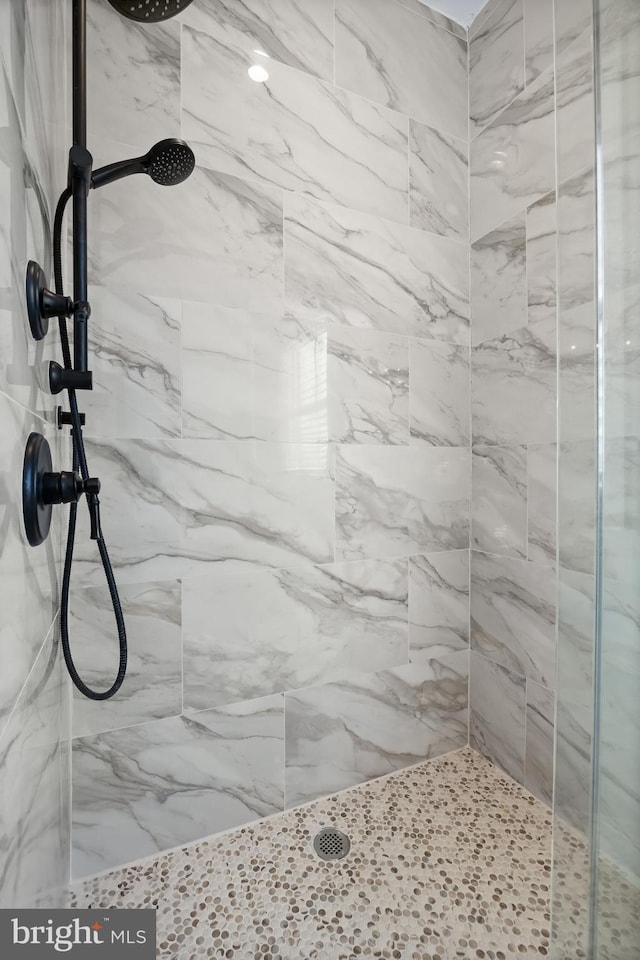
point(80, 462)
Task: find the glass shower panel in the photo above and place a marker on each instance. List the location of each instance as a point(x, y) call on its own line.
point(615, 921)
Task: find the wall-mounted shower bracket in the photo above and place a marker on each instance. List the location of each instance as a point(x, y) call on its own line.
point(61, 379)
point(42, 303)
point(42, 487)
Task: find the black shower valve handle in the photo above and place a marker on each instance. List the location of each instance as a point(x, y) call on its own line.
point(67, 487)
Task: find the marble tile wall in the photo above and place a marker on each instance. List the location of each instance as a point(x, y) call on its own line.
point(514, 388)
point(281, 417)
point(34, 721)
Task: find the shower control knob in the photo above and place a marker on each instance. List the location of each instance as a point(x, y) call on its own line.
point(66, 487)
point(42, 487)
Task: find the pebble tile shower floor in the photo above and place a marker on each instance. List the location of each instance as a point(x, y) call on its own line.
point(449, 859)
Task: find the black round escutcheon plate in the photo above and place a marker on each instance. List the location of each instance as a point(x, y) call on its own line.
point(37, 515)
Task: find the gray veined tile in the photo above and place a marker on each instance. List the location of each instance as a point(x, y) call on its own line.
point(391, 55)
point(174, 507)
point(34, 868)
point(341, 734)
point(147, 788)
point(438, 604)
point(217, 372)
point(538, 35)
point(134, 88)
point(292, 131)
point(300, 35)
point(575, 107)
point(513, 615)
point(358, 270)
point(496, 63)
point(28, 578)
point(499, 500)
point(498, 714)
point(304, 626)
point(513, 160)
point(577, 501)
point(513, 387)
point(498, 281)
point(170, 247)
point(439, 376)
point(439, 182)
point(572, 18)
point(541, 260)
point(134, 340)
point(368, 386)
point(436, 17)
point(576, 242)
point(538, 775)
point(153, 685)
point(542, 469)
point(290, 382)
point(399, 501)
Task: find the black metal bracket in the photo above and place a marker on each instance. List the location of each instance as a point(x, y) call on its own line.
point(64, 418)
point(42, 303)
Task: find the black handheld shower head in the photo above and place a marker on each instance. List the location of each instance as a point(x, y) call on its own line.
point(168, 162)
point(149, 11)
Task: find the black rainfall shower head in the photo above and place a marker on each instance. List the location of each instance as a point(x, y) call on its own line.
point(168, 162)
point(149, 11)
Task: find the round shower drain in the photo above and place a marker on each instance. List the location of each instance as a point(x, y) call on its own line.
point(331, 844)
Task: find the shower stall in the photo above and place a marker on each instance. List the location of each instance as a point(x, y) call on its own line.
point(365, 391)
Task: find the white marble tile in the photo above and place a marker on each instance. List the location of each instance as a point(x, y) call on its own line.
point(542, 471)
point(619, 726)
point(291, 131)
point(290, 382)
point(398, 501)
point(436, 17)
point(575, 107)
point(497, 714)
point(538, 37)
point(133, 86)
point(300, 35)
point(574, 721)
point(28, 576)
point(513, 615)
point(134, 345)
point(577, 504)
point(496, 63)
point(438, 604)
point(217, 372)
point(439, 377)
point(172, 508)
point(368, 386)
point(498, 281)
point(541, 260)
point(34, 863)
point(213, 238)
point(576, 242)
point(572, 18)
point(146, 788)
point(153, 685)
point(25, 205)
point(513, 387)
point(577, 371)
point(341, 734)
point(304, 626)
point(391, 55)
point(513, 160)
point(439, 182)
point(365, 272)
point(499, 500)
point(538, 774)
